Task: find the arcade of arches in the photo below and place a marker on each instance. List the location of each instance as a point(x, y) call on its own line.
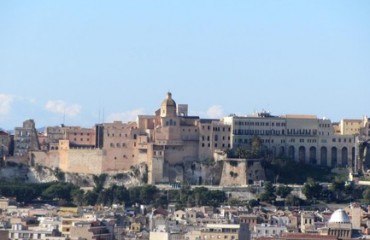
point(324, 156)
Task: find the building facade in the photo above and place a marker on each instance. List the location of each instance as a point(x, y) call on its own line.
point(304, 138)
point(25, 139)
point(170, 137)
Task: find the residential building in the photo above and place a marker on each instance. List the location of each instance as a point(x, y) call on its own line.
point(225, 231)
point(25, 139)
point(267, 230)
point(90, 230)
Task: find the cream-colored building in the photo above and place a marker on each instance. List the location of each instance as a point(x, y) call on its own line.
point(173, 138)
point(77, 136)
point(304, 138)
point(225, 231)
point(350, 126)
point(4, 203)
point(170, 138)
point(167, 138)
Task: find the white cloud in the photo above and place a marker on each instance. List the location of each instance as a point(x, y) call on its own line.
point(215, 111)
point(5, 103)
point(125, 116)
point(60, 107)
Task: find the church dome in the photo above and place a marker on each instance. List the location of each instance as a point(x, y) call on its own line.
point(168, 107)
point(339, 216)
point(168, 102)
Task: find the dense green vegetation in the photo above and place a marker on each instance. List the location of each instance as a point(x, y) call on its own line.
point(186, 197)
point(291, 172)
point(67, 194)
point(28, 192)
point(336, 191)
point(254, 150)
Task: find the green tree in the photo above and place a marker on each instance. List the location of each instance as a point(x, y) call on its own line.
point(312, 190)
point(134, 194)
point(77, 196)
point(253, 203)
point(337, 187)
point(90, 198)
point(148, 194)
point(283, 190)
point(121, 194)
point(366, 195)
point(292, 200)
point(58, 191)
point(215, 198)
point(268, 192)
point(256, 147)
point(99, 182)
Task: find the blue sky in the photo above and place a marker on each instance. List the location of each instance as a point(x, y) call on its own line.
point(220, 57)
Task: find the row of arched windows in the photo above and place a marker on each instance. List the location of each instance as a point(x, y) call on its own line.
point(322, 156)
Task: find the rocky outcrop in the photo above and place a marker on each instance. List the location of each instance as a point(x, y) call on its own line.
point(11, 171)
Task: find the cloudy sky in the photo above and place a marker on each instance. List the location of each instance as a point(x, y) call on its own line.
point(79, 62)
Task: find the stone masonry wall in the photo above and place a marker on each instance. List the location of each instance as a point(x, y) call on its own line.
point(234, 172)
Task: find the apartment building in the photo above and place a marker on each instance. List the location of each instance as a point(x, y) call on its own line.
point(225, 231)
point(25, 139)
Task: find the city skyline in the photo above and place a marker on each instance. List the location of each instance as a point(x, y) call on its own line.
point(70, 62)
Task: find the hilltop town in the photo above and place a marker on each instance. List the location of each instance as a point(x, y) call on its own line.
point(171, 138)
point(174, 176)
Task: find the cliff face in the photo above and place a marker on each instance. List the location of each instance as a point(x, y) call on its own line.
point(38, 174)
point(230, 172)
point(203, 173)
